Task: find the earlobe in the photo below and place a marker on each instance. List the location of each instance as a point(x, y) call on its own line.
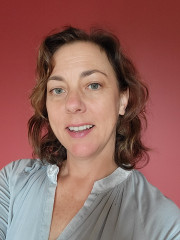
point(124, 97)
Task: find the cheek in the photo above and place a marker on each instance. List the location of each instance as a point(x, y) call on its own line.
point(56, 123)
point(108, 107)
point(54, 114)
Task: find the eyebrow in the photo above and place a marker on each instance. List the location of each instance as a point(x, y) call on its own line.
point(82, 75)
point(89, 72)
point(58, 78)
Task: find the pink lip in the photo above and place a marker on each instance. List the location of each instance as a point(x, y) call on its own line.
point(79, 134)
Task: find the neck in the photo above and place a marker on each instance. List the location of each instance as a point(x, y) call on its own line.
point(91, 169)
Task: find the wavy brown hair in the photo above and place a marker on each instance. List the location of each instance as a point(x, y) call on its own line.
point(129, 149)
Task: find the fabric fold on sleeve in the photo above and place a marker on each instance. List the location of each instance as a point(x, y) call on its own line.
point(4, 201)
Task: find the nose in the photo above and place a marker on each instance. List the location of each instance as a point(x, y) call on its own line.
point(75, 103)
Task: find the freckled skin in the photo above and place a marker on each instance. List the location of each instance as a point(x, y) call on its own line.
point(79, 103)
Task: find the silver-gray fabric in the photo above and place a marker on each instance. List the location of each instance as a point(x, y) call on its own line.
point(122, 206)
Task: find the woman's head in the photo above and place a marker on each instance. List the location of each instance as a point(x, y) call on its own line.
point(101, 52)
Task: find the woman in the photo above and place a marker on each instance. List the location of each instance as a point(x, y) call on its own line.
point(86, 129)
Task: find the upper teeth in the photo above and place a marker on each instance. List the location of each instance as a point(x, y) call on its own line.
point(80, 128)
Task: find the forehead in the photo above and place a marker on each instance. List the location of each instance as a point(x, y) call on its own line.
point(84, 54)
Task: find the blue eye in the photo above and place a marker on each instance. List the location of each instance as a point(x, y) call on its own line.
point(94, 86)
point(57, 91)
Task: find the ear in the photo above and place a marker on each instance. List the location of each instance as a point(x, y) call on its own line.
point(124, 97)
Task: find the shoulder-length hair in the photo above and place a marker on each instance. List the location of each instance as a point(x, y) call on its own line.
point(129, 149)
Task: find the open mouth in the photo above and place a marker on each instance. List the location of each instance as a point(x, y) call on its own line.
point(80, 128)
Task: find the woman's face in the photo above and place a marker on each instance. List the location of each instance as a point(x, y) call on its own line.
point(83, 100)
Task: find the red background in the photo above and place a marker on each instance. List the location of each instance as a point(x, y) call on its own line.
point(150, 33)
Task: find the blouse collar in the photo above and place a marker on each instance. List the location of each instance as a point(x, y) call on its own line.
point(104, 184)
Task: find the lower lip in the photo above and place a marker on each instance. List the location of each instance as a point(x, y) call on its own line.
point(79, 134)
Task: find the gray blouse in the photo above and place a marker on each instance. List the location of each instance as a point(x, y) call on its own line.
point(121, 206)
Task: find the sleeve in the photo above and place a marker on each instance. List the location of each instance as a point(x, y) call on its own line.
point(166, 220)
point(4, 201)
point(160, 216)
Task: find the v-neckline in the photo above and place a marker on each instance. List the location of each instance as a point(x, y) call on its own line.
point(100, 186)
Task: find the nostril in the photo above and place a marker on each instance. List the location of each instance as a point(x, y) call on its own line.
point(74, 109)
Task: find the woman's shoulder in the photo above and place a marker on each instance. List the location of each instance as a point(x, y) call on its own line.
point(22, 174)
point(155, 209)
point(20, 167)
point(147, 193)
point(23, 170)
point(22, 164)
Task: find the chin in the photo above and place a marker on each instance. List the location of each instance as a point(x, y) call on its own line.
point(82, 151)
